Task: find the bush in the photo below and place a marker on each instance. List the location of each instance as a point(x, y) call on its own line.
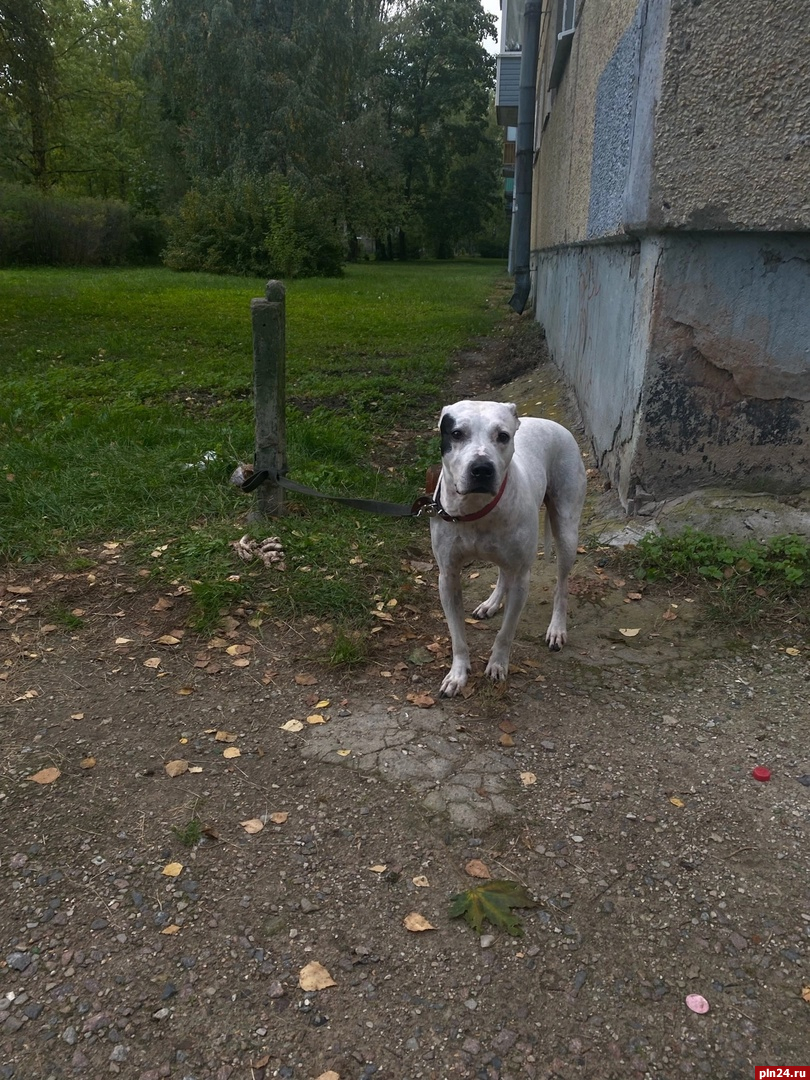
point(258, 226)
point(39, 229)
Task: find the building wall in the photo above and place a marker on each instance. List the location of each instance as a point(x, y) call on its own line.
point(673, 265)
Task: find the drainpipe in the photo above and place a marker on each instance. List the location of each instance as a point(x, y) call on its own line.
point(524, 155)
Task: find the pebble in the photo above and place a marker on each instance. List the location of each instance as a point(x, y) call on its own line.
point(486, 940)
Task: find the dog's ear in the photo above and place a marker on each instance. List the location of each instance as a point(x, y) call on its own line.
point(513, 410)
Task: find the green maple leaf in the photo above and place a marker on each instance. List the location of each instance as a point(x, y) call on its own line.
point(493, 901)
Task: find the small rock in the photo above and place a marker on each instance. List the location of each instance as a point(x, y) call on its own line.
point(69, 1036)
point(471, 1004)
point(19, 961)
point(486, 940)
point(548, 744)
point(161, 1014)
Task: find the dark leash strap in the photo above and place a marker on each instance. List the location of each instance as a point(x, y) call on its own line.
point(373, 506)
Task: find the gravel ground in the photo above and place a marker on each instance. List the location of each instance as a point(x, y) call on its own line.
point(614, 780)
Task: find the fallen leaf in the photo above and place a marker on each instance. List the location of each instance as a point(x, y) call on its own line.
point(508, 727)
point(87, 763)
point(176, 767)
point(292, 725)
point(493, 902)
point(231, 752)
point(172, 869)
point(629, 632)
point(152, 662)
point(343, 753)
point(329, 1075)
point(168, 639)
point(77, 716)
point(379, 868)
point(475, 868)
point(305, 680)
point(195, 768)
point(315, 977)
point(676, 801)
point(252, 825)
point(792, 652)
point(184, 691)
point(225, 736)
point(421, 882)
point(635, 596)
point(238, 650)
point(416, 923)
point(19, 590)
point(172, 928)
point(241, 663)
point(423, 701)
point(506, 740)
point(279, 817)
point(46, 776)
point(669, 615)
point(806, 993)
point(316, 718)
point(527, 779)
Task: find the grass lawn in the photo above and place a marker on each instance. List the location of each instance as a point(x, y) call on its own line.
point(113, 382)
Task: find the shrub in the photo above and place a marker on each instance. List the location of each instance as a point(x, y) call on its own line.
point(254, 225)
point(50, 229)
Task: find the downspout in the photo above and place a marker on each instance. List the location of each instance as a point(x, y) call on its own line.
point(524, 155)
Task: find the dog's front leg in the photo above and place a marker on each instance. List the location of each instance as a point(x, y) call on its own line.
point(452, 605)
point(516, 592)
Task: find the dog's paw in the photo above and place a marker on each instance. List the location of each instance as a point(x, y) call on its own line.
point(454, 681)
point(485, 610)
point(497, 670)
point(556, 637)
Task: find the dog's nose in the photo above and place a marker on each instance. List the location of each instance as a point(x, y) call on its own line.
point(482, 469)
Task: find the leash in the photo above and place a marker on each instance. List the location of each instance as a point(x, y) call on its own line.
point(427, 504)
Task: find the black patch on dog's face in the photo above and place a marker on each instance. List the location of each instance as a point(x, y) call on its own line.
point(450, 433)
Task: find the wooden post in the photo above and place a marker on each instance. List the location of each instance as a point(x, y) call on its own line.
point(269, 395)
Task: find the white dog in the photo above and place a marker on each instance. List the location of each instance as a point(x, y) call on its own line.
point(497, 472)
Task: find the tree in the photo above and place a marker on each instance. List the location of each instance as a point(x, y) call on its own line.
point(27, 89)
point(436, 83)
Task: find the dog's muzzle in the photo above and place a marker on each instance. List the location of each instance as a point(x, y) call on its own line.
point(481, 477)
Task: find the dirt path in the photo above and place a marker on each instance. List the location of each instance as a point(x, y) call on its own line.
point(614, 779)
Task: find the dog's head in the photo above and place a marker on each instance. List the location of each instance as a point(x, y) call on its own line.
point(478, 440)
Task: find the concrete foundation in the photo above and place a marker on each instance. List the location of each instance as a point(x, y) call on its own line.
point(689, 355)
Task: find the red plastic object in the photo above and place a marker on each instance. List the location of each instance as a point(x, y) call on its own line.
point(761, 773)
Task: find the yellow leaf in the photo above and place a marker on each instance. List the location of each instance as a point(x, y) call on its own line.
point(172, 869)
point(475, 868)
point(323, 704)
point(527, 779)
point(152, 662)
point(629, 632)
point(792, 652)
point(176, 767)
point(315, 977)
point(316, 718)
point(292, 725)
point(173, 928)
point(279, 817)
point(343, 753)
point(238, 650)
point(421, 882)
point(252, 826)
point(88, 763)
point(378, 868)
point(231, 752)
point(168, 639)
point(676, 801)
point(46, 776)
point(416, 922)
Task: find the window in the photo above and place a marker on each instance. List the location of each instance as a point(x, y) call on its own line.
point(566, 24)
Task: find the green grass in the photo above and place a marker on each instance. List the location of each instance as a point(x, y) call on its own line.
point(746, 581)
point(114, 382)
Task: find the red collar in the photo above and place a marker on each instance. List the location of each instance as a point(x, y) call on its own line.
point(478, 513)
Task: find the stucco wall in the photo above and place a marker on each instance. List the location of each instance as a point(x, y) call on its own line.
point(732, 142)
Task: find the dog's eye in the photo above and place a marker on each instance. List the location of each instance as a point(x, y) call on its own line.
point(457, 434)
point(503, 437)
